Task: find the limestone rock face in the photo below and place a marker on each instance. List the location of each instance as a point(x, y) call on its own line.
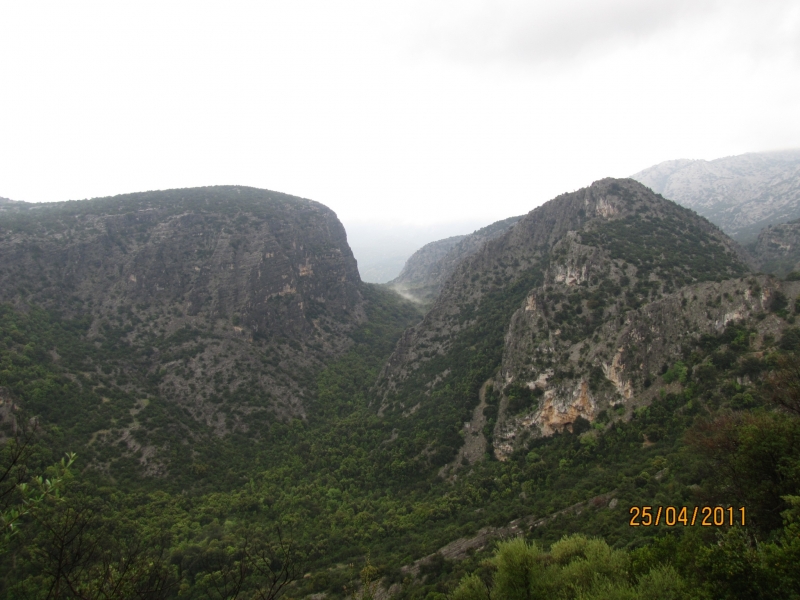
point(741, 194)
point(583, 301)
point(620, 365)
point(426, 271)
point(208, 291)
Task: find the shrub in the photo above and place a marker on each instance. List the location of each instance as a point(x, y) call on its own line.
point(677, 372)
point(519, 572)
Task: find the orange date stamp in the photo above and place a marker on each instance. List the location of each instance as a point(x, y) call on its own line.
point(672, 516)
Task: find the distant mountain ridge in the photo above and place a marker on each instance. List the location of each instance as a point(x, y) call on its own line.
point(741, 194)
point(426, 271)
point(416, 280)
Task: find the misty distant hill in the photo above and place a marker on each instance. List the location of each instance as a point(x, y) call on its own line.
point(426, 271)
point(382, 249)
point(741, 194)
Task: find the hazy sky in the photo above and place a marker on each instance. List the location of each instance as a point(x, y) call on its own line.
point(400, 111)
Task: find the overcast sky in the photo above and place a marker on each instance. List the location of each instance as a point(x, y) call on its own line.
point(399, 111)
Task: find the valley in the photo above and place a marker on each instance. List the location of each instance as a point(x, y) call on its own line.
point(251, 420)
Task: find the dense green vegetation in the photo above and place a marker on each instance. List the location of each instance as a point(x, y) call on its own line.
point(677, 251)
point(49, 368)
point(433, 438)
point(327, 492)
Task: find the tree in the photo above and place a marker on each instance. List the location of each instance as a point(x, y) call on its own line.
point(519, 570)
point(472, 587)
point(369, 583)
point(751, 460)
point(261, 565)
point(83, 550)
point(19, 495)
point(784, 384)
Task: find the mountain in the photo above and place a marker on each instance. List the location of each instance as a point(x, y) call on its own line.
point(192, 313)
point(611, 352)
point(741, 194)
point(560, 319)
point(429, 267)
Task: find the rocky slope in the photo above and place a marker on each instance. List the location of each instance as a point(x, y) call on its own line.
point(420, 278)
point(741, 194)
point(777, 248)
point(572, 312)
point(222, 302)
point(426, 271)
point(622, 365)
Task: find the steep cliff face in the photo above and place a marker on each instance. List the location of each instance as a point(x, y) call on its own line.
point(777, 249)
point(223, 300)
point(741, 194)
point(622, 364)
point(428, 268)
point(220, 253)
point(560, 314)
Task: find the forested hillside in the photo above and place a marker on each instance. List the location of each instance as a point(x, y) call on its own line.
point(611, 351)
point(191, 315)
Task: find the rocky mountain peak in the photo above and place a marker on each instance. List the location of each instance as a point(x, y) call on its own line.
point(224, 252)
point(539, 309)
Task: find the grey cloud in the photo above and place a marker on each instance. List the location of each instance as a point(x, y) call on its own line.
point(552, 32)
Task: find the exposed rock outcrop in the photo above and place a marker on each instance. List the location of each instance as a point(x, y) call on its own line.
point(551, 235)
point(622, 363)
